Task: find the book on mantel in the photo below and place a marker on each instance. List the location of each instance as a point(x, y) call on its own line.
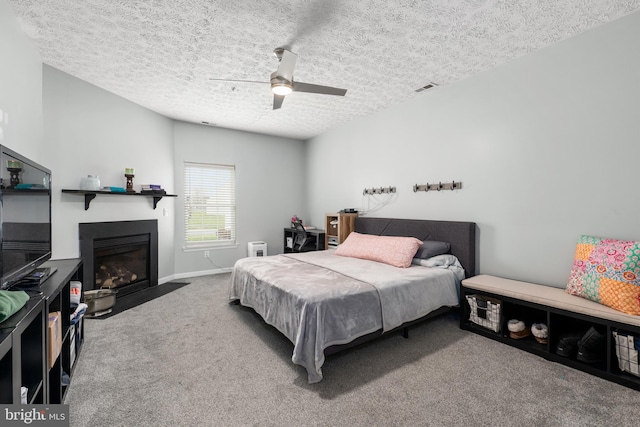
point(152, 189)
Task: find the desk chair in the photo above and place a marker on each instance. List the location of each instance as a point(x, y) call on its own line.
point(302, 241)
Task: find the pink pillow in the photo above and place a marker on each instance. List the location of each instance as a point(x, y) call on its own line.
point(396, 251)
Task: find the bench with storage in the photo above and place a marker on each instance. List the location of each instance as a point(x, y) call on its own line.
point(562, 313)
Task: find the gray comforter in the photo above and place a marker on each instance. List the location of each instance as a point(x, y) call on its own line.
point(318, 299)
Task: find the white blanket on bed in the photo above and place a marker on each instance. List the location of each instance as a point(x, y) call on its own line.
point(318, 299)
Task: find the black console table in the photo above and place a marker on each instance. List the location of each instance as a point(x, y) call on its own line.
point(24, 341)
point(319, 234)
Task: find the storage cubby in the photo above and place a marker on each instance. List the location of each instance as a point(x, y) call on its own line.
point(6, 365)
point(560, 322)
point(23, 352)
point(564, 325)
point(631, 368)
point(529, 315)
point(337, 228)
point(32, 358)
point(57, 294)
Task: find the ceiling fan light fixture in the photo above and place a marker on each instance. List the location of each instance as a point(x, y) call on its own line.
point(280, 85)
point(281, 88)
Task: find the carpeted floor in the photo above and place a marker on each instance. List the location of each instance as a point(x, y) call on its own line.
point(189, 358)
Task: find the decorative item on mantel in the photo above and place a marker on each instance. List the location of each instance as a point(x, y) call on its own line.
point(90, 183)
point(14, 167)
point(113, 189)
point(129, 173)
point(152, 189)
point(295, 219)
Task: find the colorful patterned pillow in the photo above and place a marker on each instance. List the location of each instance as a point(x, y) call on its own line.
point(396, 251)
point(607, 271)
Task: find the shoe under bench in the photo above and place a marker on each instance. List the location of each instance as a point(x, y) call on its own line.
point(561, 312)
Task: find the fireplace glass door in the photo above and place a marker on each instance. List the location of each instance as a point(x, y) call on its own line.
point(121, 266)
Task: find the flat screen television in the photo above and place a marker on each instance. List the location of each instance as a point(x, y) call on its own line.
point(25, 216)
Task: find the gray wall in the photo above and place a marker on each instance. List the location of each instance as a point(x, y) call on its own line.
point(76, 129)
point(546, 147)
point(91, 131)
point(100, 133)
point(270, 183)
point(20, 89)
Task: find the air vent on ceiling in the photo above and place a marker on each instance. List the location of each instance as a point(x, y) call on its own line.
point(429, 86)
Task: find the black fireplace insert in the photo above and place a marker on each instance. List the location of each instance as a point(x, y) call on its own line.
point(121, 255)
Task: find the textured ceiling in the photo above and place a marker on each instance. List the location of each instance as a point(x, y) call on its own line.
point(162, 54)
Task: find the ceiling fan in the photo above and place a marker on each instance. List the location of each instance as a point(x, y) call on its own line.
point(282, 83)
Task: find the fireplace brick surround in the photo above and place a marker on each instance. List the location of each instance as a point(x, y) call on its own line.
point(114, 237)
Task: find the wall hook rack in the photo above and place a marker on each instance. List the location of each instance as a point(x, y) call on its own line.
point(378, 190)
point(453, 185)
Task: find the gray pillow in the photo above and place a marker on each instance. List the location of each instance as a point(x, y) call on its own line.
point(431, 248)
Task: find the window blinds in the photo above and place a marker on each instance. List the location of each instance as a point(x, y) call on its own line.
point(210, 204)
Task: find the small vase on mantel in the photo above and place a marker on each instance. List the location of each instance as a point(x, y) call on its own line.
point(90, 183)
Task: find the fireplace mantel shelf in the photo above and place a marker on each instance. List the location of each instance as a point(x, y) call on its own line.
point(90, 195)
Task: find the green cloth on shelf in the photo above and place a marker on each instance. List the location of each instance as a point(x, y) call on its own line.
point(10, 302)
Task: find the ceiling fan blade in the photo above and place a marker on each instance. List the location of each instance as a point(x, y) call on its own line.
point(238, 81)
point(287, 64)
point(311, 88)
point(277, 101)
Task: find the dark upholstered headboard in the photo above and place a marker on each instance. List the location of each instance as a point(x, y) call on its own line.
point(461, 235)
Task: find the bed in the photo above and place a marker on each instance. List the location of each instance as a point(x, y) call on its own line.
point(324, 301)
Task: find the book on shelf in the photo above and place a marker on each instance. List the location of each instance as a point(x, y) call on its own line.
point(113, 189)
point(151, 187)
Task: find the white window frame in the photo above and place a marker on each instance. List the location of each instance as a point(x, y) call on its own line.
point(209, 193)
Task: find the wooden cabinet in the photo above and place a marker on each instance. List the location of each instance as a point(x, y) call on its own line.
point(337, 228)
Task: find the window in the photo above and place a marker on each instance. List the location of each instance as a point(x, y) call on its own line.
point(210, 205)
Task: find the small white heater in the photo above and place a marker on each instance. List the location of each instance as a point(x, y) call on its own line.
point(257, 248)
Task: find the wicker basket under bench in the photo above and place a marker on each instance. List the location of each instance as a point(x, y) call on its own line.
point(561, 312)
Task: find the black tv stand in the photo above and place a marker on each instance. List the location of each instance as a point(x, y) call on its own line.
point(25, 340)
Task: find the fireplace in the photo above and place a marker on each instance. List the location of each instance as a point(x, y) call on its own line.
point(120, 255)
